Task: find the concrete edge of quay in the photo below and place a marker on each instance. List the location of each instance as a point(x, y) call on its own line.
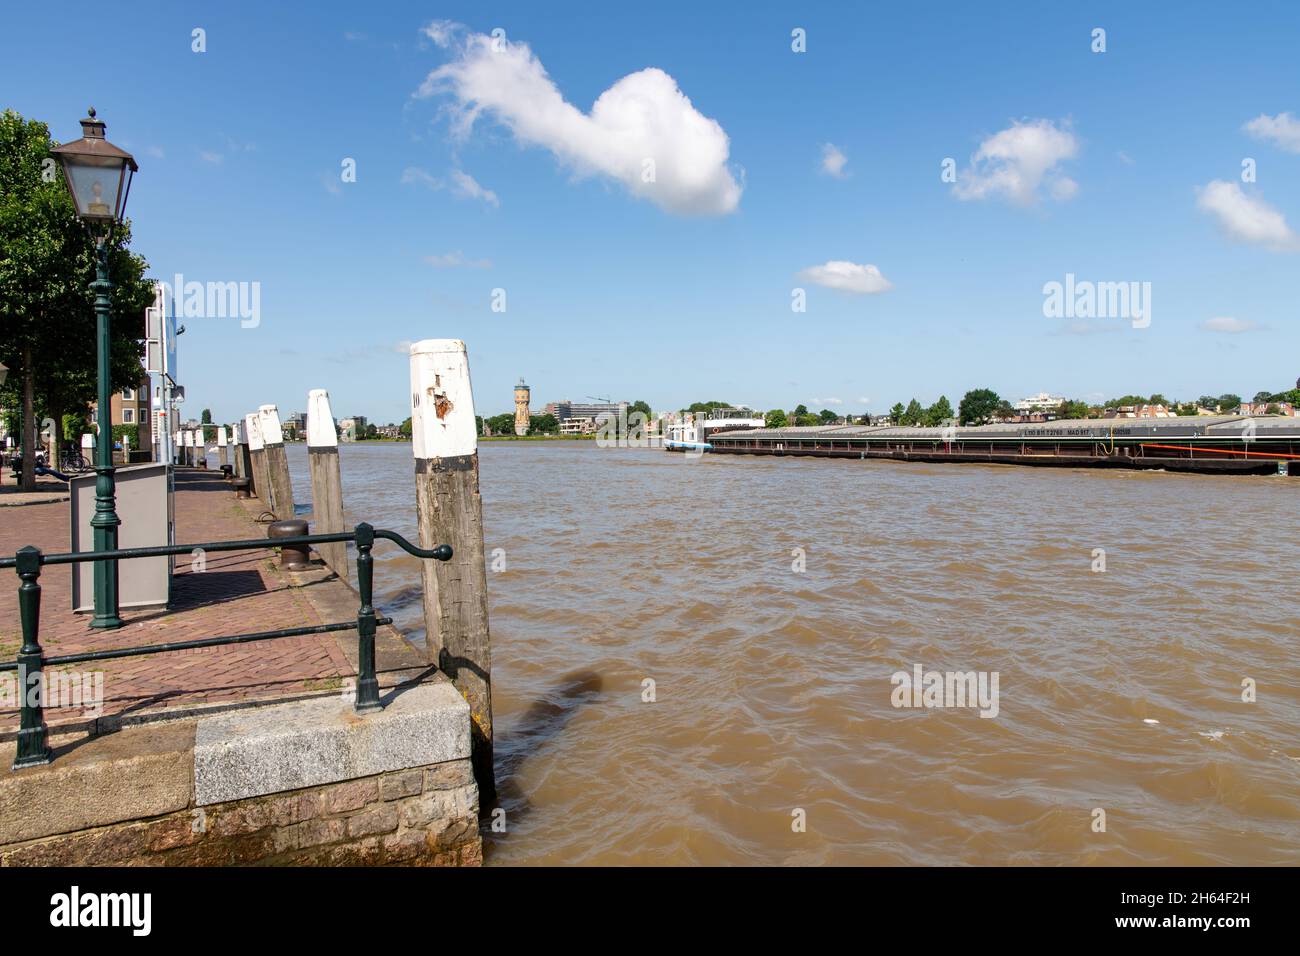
point(300, 782)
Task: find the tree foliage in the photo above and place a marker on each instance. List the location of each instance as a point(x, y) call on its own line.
point(47, 318)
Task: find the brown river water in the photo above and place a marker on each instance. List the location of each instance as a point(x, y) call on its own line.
point(1118, 690)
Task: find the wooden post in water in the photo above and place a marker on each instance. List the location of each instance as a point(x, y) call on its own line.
point(223, 452)
point(257, 459)
point(277, 462)
point(449, 511)
point(326, 479)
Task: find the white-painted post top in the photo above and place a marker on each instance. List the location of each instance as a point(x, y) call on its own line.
point(185, 438)
point(320, 420)
point(221, 435)
point(442, 402)
point(241, 434)
point(88, 440)
point(272, 430)
point(254, 432)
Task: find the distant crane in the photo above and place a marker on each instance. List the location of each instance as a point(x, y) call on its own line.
point(597, 398)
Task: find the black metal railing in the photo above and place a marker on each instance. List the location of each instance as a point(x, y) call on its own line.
point(33, 746)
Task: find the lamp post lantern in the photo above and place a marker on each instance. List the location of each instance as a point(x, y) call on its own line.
point(98, 176)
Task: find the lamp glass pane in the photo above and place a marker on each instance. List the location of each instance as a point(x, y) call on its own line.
point(95, 184)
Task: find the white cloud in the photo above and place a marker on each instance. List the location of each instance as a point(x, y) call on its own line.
point(457, 260)
point(1243, 217)
point(413, 174)
point(156, 152)
point(463, 184)
point(847, 277)
point(1228, 324)
point(1282, 130)
point(210, 157)
point(1015, 162)
point(642, 119)
point(834, 161)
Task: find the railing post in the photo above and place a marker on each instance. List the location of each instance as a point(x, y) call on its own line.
point(33, 748)
point(367, 683)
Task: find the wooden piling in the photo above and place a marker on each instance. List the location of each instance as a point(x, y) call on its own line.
point(326, 479)
point(257, 459)
point(223, 452)
point(277, 462)
point(449, 511)
point(242, 467)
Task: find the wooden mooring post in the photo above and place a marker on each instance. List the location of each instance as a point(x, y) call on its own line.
point(277, 462)
point(242, 467)
point(223, 452)
point(326, 479)
point(449, 511)
point(257, 459)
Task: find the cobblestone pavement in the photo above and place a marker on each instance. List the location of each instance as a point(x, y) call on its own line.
point(237, 592)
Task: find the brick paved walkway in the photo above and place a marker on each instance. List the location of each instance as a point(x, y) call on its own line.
point(239, 592)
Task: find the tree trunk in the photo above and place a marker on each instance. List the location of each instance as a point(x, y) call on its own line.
point(30, 437)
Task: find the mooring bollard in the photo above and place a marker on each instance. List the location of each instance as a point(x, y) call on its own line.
point(450, 511)
point(257, 458)
point(326, 478)
point(223, 456)
point(293, 557)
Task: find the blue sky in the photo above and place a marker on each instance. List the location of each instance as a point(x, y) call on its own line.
point(611, 293)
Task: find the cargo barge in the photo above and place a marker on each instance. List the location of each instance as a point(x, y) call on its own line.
point(1219, 444)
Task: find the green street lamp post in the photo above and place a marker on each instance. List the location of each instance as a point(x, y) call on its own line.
point(98, 175)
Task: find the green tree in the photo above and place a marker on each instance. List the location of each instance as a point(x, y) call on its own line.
point(206, 417)
point(642, 407)
point(404, 429)
point(503, 424)
point(827, 416)
point(939, 412)
point(1072, 409)
point(775, 418)
point(544, 424)
point(47, 263)
point(914, 414)
point(1229, 402)
point(896, 413)
point(978, 406)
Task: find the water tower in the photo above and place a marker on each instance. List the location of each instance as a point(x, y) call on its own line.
point(521, 408)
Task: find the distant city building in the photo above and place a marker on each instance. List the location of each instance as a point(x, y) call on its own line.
point(577, 426)
point(522, 415)
point(567, 409)
point(352, 429)
point(295, 426)
point(131, 407)
point(1042, 402)
point(1139, 411)
point(1263, 408)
